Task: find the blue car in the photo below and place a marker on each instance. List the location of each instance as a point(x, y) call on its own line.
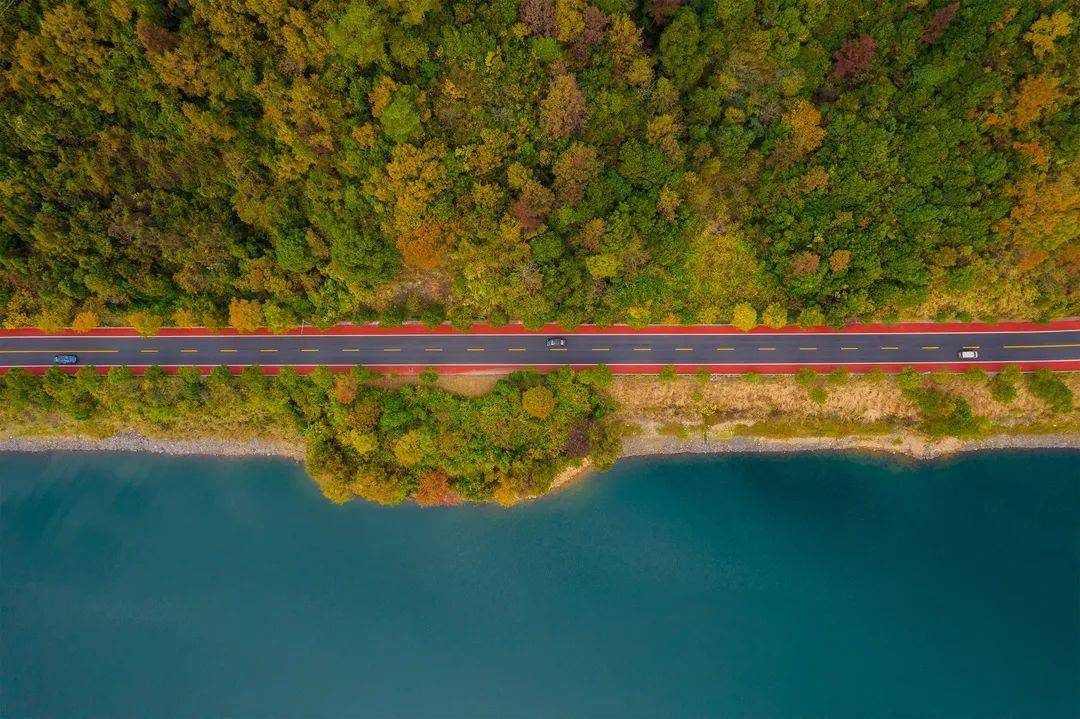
point(65, 359)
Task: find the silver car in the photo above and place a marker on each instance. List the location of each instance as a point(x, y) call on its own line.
point(968, 354)
point(556, 342)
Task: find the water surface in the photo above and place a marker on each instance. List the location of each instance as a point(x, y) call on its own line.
point(796, 586)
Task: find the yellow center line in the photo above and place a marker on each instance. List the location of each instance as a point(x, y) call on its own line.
point(684, 349)
point(189, 352)
point(227, 351)
point(557, 349)
point(601, 349)
point(474, 349)
point(890, 348)
point(309, 349)
point(931, 347)
point(808, 349)
point(971, 347)
point(725, 349)
point(848, 349)
point(1024, 347)
point(148, 351)
point(433, 349)
point(268, 350)
point(516, 349)
point(391, 349)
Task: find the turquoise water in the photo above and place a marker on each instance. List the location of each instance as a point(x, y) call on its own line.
point(798, 586)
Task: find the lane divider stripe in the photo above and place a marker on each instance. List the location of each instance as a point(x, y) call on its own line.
point(1025, 347)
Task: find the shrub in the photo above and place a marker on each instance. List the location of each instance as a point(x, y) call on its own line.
point(752, 377)
point(702, 375)
point(668, 374)
point(806, 376)
point(839, 376)
point(874, 375)
point(1048, 387)
point(744, 317)
point(909, 378)
point(538, 402)
point(818, 394)
point(429, 375)
point(974, 375)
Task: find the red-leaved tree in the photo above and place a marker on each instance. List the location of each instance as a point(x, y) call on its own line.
point(856, 54)
point(939, 21)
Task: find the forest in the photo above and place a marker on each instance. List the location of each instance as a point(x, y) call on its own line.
point(261, 162)
point(362, 439)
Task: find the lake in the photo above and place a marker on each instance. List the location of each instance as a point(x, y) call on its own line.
point(822, 585)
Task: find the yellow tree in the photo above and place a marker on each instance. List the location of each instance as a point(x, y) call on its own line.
point(538, 402)
point(245, 315)
point(84, 322)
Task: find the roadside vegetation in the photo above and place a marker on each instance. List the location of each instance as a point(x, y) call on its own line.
point(385, 444)
point(258, 163)
point(837, 405)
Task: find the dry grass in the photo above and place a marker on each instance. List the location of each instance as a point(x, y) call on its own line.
point(781, 397)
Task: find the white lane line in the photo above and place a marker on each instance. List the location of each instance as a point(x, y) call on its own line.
point(601, 349)
point(643, 349)
point(391, 349)
point(227, 351)
point(893, 347)
point(849, 349)
point(931, 347)
point(350, 349)
point(516, 349)
point(268, 350)
point(1028, 347)
point(725, 349)
point(309, 349)
point(433, 349)
point(684, 349)
point(766, 349)
point(808, 349)
point(189, 352)
point(148, 351)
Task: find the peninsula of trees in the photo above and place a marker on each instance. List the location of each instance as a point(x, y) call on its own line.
point(264, 161)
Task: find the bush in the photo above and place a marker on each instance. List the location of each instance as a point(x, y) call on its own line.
point(818, 394)
point(974, 375)
point(744, 317)
point(1003, 384)
point(702, 375)
point(429, 375)
point(947, 416)
point(909, 378)
point(752, 377)
point(668, 373)
point(806, 376)
point(839, 376)
point(1048, 387)
point(874, 375)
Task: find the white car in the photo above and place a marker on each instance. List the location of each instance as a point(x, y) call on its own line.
point(968, 354)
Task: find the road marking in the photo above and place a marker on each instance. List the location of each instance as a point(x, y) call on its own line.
point(849, 349)
point(725, 349)
point(766, 349)
point(148, 351)
point(684, 349)
point(268, 350)
point(971, 347)
point(556, 349)
point(890, 348)
point(309, 349)
point(931, 347)
point(189, 352)
point(433, 349)
point(643, 349)
point(227, 351)
point(1025, 347)
point(808, 349)
point(601, 349)
point(391, 349)
point(350, 349)
point(474, 349)
point(516, 349)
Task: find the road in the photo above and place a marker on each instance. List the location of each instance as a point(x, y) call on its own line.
point(475, 351)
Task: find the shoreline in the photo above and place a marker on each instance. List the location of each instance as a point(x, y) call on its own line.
point(908, 444)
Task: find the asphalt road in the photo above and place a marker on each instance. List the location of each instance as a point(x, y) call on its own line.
point(529, 350)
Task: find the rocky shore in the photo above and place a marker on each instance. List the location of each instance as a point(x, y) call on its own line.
point(907, 444)
point(130, 442)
